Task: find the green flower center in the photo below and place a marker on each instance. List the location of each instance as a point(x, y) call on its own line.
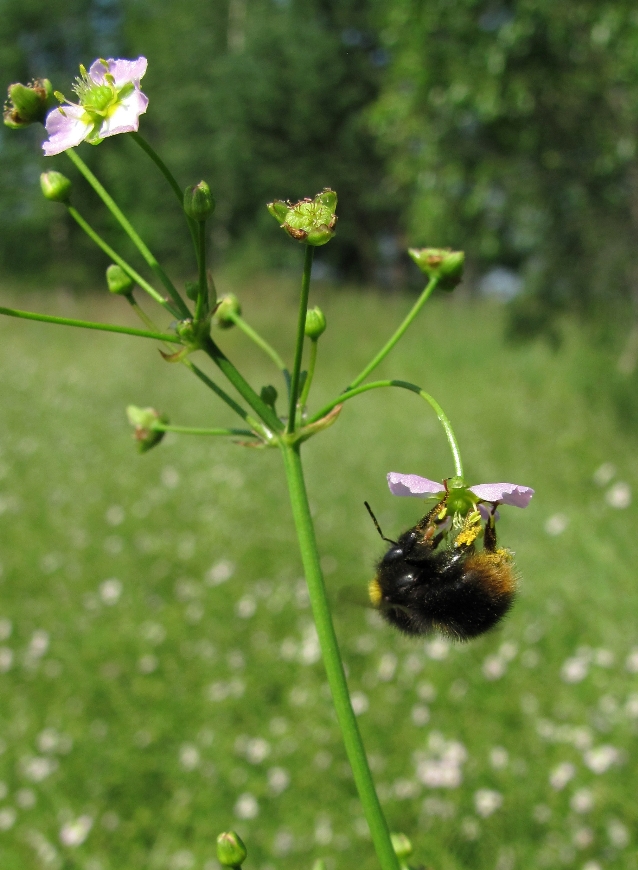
point(309, 215)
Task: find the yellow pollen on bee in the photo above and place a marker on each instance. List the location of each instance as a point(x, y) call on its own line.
point(375, 593)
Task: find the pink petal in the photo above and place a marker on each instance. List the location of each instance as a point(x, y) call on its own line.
point(126, 117)
point(504, 493)
point(66, 127)
point(412, 484)
point(123, 71)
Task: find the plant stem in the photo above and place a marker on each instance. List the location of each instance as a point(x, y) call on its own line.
point(312, 361)
point(85, 324)
point(242, 386)
point(405, 385)
point(385, 350)
point(223, 395)
point(108, 250)
point(301, 333)
point(201, 306)
point(332, 660)
point(189, 430)
point(168, 175)
point(117, 213)
point(239, 321)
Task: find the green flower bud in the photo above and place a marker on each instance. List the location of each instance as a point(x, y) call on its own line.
point(199, 202)
point(268, 395)
point(192, 290)
point(401, 845)
point(228, 304)
point(231, 851)
point(118, 281)
point(55, 186)
point(143, 420)
point(442, 263)
point(28, 104)
point(315, 323)
point(186, 330)
point(310, 220)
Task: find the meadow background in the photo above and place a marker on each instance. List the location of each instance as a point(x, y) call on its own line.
point(160, 678)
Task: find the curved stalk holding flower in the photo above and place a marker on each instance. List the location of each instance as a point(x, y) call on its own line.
point(413, 388)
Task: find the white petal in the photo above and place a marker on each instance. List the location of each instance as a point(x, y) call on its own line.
point(412, 484)
point(67, 127)
point(126, 116)
point(504, 493)
point(123, 71)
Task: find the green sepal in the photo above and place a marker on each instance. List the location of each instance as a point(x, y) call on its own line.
point(199, 202)
point(444, 264)
point(315, 323)
point(55, 186)
point(231, 851)
point(269, 395)
point(227, 305)
point(143, 420)
point(28, 104)
point(118, 281)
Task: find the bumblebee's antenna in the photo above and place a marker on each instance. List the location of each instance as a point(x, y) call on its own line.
point(377, 526)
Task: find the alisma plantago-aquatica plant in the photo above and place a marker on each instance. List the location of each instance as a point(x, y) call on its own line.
point(434, 577)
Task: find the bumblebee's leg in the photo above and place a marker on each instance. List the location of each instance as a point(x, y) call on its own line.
point(489, 539)
point(429, 520)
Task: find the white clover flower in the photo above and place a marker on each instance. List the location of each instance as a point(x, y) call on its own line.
point(75, 833)
point(487, 801)
point(110, 102)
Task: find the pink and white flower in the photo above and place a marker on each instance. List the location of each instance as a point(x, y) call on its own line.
point(110, 102)
point(495, 493)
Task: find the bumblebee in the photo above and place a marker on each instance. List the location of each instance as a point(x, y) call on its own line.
point(433, 578)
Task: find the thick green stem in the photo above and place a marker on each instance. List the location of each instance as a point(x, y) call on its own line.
point(201, 306)
point(85, 324)
point(190, 430)
point(117, 213)
point(332, 660)
point(108, 250)
point(301, 334)
point(387, 347)
point(413, 388)
point(242, 386)
point(312, 361)
point(239, 321)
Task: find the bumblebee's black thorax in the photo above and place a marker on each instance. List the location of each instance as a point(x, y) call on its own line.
point(423, 588)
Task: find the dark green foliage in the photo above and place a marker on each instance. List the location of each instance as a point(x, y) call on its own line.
point(513, 127)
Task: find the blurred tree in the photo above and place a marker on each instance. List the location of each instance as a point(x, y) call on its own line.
point(262, 98)
point(512, 126)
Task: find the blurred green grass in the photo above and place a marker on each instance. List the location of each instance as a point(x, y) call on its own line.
point(161, 679)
